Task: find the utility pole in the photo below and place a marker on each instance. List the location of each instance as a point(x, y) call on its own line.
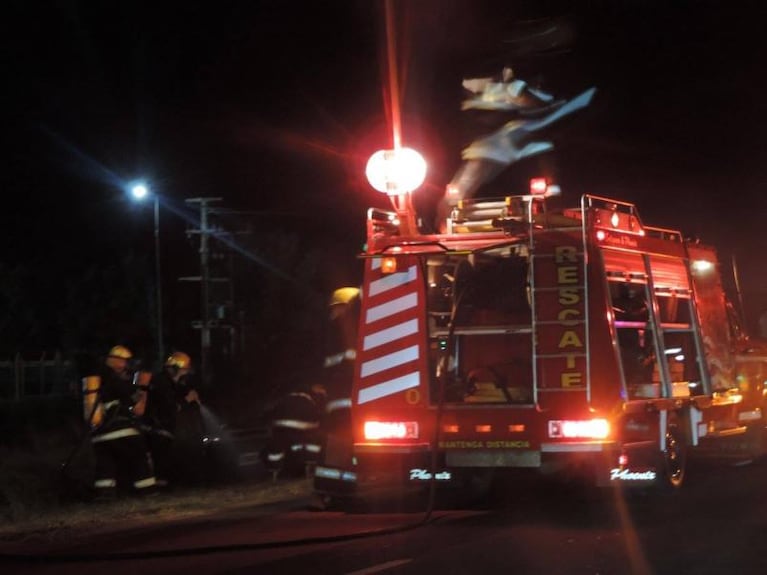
point(158, 281)
point(205, 324)
point(217, 307)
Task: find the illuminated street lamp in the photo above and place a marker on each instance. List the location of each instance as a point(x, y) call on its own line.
point(140, 191)
point(397, 173)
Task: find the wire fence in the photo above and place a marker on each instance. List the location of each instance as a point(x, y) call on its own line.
point(46, 376)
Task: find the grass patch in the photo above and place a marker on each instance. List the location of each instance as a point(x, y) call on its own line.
point(78, 518)
point(38, 499)
point(31, 478)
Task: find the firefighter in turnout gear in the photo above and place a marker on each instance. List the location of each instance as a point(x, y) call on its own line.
point(295, 443)
point(174, 422)
point(118, 443)
point(333, 473)
point(338, 364)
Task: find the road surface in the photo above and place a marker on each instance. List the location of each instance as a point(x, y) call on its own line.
point(717, 524)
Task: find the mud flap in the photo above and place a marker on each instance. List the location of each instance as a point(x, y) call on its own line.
point(634, 466)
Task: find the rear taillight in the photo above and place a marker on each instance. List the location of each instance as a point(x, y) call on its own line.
point(579, 429)
point(375, 430)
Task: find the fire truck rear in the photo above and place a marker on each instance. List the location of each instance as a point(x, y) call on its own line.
point(557, 340)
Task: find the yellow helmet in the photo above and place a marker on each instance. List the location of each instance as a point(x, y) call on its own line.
point(179, 360)
point(118, 358)
point(344, 295)
point(120, 352)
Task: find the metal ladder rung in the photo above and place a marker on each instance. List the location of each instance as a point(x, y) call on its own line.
point(554, 289)
point(560, 355)
point(550, 256)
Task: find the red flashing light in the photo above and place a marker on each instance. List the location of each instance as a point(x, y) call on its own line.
point(623, 460)
point(375, 430)
point(579, 429)
point(538, 186)
point(388, 265)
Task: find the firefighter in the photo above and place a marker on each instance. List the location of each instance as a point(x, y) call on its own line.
point(295, 441)
point(338, 372)
point(119, 446)
point(174, 422)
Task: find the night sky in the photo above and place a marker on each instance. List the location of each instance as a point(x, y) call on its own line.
point(275, 107)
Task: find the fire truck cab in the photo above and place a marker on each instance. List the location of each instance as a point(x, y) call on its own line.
point(527, 337)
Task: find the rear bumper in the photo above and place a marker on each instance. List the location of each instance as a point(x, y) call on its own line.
point(596, 461)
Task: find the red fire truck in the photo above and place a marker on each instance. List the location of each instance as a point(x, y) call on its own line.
point(524, 336)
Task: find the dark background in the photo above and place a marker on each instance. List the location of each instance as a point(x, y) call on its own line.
point(275, 106)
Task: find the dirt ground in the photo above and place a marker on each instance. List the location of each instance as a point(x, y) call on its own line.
point(76, 518)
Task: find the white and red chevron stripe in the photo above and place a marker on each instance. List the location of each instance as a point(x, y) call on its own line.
point(392, 349)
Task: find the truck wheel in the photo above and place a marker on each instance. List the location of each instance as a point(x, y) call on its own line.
point(761, 446)
point(674, 458)
point(755, 443)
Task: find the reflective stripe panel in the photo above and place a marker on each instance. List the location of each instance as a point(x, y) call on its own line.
point(388, 361)
point(403, 303)
point(104, 483)
point(112, 435)
point(275, 457)
point(295, 424)
point(392, 281)
point(388, 387)
point(390, 334)
point(393, 348)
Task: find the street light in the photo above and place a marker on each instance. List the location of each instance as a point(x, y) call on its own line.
point(140, 191)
